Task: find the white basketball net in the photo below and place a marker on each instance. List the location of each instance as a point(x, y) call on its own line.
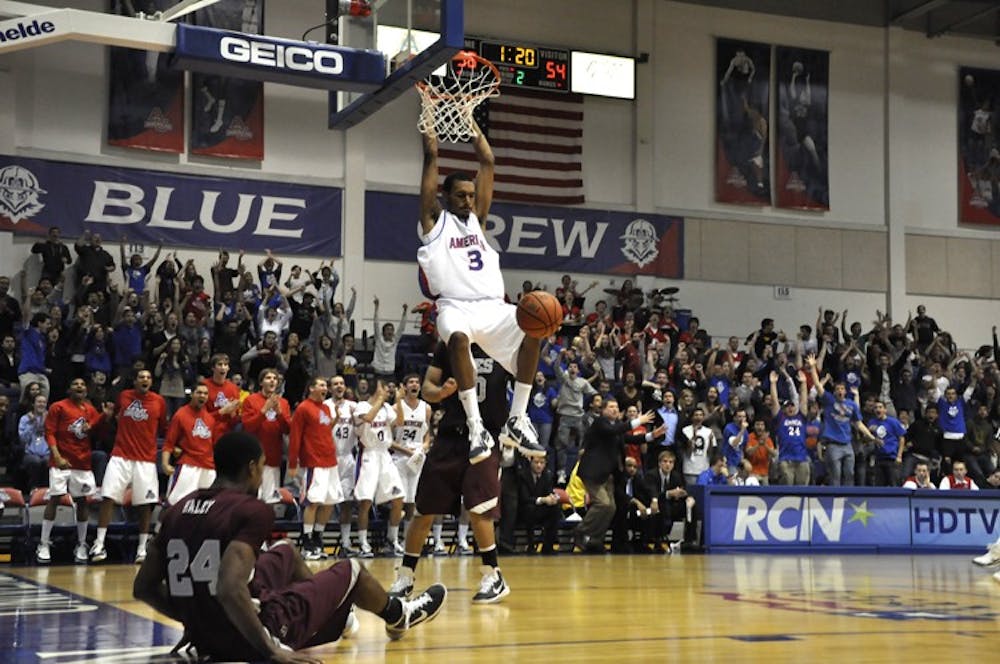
point(447, 101)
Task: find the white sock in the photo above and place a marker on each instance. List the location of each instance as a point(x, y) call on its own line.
point(436, 529)
point(363, 539)
point(47, 530)
point(463, 534)
point(519, 404)
point(470, 402)
point(101, 533)
point(81, 531)
point(393, 534)
point(345, 534)
point(143, 538)
point(307, 529)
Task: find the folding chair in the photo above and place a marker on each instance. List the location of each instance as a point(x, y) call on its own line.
point(13, 525)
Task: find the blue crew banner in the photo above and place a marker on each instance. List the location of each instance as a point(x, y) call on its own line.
point(855, 518)
point(154, 207)
point(532, 237)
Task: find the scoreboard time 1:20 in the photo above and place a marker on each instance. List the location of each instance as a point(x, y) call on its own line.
point(527, 66)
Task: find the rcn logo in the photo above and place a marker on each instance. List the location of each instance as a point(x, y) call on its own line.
point(788, 519)
point(25, 30)
point(279, 56)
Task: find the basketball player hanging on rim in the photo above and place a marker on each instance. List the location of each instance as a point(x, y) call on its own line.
point(462, 270)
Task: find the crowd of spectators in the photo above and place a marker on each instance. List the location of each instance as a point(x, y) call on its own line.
point(836, 402)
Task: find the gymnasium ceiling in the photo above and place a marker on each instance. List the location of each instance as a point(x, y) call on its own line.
point(934, 18)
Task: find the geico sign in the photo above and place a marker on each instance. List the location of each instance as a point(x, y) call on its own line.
point(279, 56)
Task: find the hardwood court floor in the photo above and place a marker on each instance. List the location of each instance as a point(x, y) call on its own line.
point(684, 608)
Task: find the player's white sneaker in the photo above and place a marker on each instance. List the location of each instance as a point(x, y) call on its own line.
point(398, 550)
point(366, 552)
point(480, 443)
point(492, 588)
point(519, 432)
point(311, 553)
point(42, 554)
point(351, 627)
point(140, 556)
point(440, 549)
point(98, 553)
point(80, 556)
point(991, 557)
point(464, 549)
point(402, 587)
point(422, 608)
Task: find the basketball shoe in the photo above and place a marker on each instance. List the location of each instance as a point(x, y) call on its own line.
point(991, 557)
point(422, 608)
point(492, 588)
point(519, 432)
point(351, 627)
point(480, 442)
point(42, 554)
point(98, 553)
point(80, 556)
point(402, 586)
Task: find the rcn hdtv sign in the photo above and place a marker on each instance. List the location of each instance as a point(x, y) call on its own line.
point(821, 517)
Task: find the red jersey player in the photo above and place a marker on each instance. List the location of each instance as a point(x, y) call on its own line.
point(142, 414)
point(310, 442)
point(193, 432)
point(67, 431)
point(210, 543)
point(221, 390)
point(266, 415)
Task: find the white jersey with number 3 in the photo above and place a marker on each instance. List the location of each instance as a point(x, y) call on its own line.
point(458, 262)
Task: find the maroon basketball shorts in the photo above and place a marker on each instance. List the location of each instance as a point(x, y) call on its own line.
point(448, 479)
point(302, 614)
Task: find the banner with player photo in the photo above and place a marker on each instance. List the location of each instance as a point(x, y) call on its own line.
point(802, 143)
point(979, 156)
point(542, 238)
point(227, 114)
point(146, 97)
point(743, 160)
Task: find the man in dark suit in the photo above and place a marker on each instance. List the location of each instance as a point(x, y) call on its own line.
point(670, 502)
point(539, 505)
point(632, 500)
point(602, 459)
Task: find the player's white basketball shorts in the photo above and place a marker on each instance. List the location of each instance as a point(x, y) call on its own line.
point(269, 485)
point(378, 480)
point(347, 468)
point(490, 323)
point(187, 479)
point(141, 475)
point(323, 486)
point(77, 483)
point(409, 473)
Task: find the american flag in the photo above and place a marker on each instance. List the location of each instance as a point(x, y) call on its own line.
point(537, 140)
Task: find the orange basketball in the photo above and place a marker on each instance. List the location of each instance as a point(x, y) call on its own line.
point(539, 314)
point(563, 496)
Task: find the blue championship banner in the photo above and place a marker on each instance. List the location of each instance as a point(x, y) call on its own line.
point(227, 114)
point(849, 518)
point(154, 207)
point(146, 97)
point(533, 237)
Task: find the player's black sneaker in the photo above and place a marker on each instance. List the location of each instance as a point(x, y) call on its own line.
point(519, 432)
point(422, 608)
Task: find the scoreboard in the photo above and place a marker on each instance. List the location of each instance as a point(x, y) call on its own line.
point(524, 65)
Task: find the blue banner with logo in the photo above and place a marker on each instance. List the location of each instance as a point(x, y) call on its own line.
point(154, 207)
point(849, 518)
point(532, 237)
